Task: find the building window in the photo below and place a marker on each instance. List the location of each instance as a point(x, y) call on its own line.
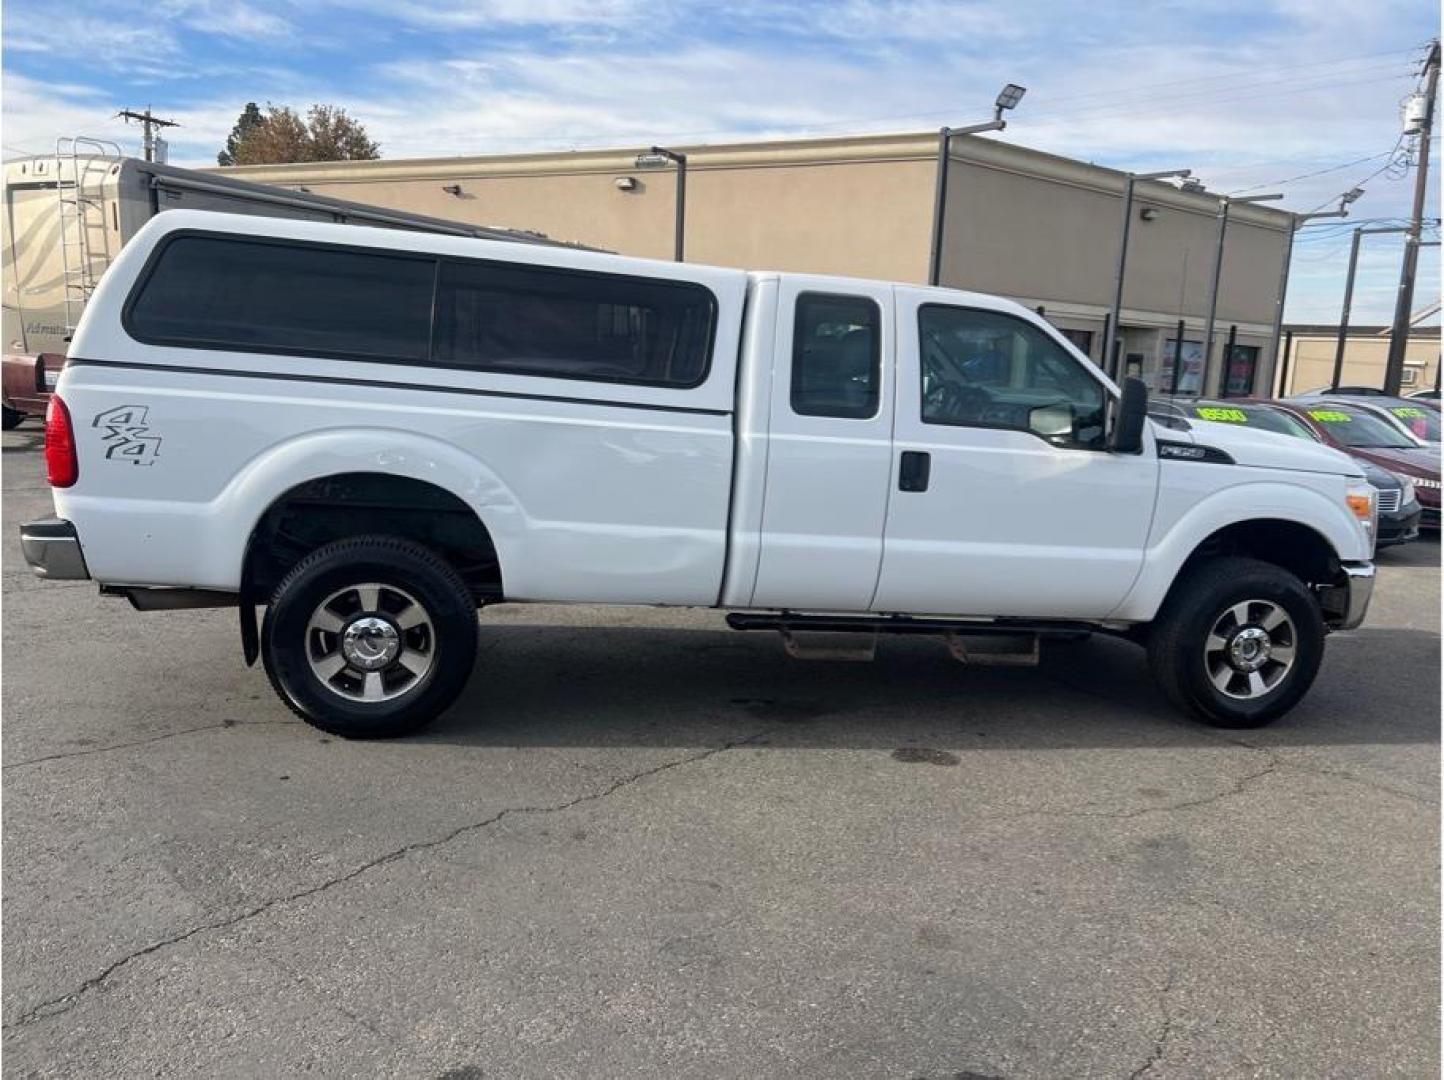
point(1242, 365)
point(836, 356)
point(1190, 368)
point(1082, 340)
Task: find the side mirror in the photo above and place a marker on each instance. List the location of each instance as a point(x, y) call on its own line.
point(1127, 434)
point(1052, 422)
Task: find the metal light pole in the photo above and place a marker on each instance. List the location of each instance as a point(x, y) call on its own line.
point(1399, 336)
point(1345, 200)
point(1117, 310)
point(1008, 98)
point(1359, 234)
point(1223, 208)
point(659, 155)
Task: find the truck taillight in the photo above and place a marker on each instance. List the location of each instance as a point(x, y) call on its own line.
point(62, 467)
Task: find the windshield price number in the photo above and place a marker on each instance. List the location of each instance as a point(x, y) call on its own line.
point(1225, 416)
point(1330, 416)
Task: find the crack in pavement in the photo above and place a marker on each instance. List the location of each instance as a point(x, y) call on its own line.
point(65, 1002)
point(1160, 1041)
point(141, 742)
point(1236, 788)
point(1272, 753)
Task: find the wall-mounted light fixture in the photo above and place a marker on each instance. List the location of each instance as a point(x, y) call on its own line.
point(626, 183)
point(453, 189)
point(1148, 213)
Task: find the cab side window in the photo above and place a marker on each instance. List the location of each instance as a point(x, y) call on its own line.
point(988, 369)
point(836, 356)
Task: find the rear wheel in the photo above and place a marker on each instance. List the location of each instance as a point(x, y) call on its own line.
point(1237, 643)
point(10, 418)
point(370, 637)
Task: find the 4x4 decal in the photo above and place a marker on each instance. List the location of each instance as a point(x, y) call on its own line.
point(127, 438)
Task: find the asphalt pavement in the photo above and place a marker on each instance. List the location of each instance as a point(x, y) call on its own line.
point(644, 845)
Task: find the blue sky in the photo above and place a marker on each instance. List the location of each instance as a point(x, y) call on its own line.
point(1254, 96)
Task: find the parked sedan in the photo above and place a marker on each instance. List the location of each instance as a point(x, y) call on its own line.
point(1399, 509)
point(1414, 416)
point(1363, 435)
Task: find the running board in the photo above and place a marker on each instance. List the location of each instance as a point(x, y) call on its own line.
point(1003, 642)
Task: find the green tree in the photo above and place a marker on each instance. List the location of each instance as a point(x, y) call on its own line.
point(250, 119)
point(280, 136)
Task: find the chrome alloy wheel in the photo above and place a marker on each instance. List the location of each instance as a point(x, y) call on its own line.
point(1250, 649)
point(370, 642)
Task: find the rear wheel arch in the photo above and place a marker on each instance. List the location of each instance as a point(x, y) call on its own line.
point(323, 510)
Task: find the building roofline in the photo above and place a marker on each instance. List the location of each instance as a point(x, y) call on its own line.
point(831, 150)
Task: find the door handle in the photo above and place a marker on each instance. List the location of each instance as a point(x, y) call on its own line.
point(913, 473)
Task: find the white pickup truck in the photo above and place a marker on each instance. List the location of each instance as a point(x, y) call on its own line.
point(373, 433)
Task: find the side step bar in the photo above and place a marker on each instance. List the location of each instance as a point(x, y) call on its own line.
point(1012, 642)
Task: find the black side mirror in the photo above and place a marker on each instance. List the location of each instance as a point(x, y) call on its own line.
point(1127, 434)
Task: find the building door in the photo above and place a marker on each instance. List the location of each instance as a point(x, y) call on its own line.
point(829, 446)
point(1004, 501)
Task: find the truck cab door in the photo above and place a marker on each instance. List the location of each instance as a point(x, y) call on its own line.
point(1005, 500)
point(829, 445)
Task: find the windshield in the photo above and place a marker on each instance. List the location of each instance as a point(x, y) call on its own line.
point(1255, 416)
point(1421, 422)
point(1356, 428)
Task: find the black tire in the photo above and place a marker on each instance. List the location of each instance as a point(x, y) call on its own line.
point(1198, 604)
point(10, 418)
point(407, 572)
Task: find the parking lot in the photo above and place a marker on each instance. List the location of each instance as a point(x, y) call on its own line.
point(643, 845)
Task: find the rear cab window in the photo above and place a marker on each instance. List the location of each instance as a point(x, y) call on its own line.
point(836, 356)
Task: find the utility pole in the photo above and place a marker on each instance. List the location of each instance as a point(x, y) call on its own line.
point(147, 122)
point(1399, 336)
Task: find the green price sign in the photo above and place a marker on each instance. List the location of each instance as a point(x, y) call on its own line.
point(1221, 415)
point(1331, 416)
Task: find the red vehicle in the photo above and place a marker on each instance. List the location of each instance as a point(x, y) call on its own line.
point(1361, 434)
point(25, 385)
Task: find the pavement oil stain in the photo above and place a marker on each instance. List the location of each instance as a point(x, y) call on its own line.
point(463, 1072)
point(924, 755)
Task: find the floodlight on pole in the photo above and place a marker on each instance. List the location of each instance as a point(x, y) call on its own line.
point(658, 157)
point(1112, 325)
point(1223, 209)
point(1006, 100)
point(1353, 195)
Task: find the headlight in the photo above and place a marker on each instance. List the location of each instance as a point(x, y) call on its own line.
point(1363, 501)
point(1433, 485)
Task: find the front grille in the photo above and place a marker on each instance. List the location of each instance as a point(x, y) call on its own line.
point(1389, 501)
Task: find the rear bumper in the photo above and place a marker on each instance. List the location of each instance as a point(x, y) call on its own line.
point(1347, 603)
point(52, 548)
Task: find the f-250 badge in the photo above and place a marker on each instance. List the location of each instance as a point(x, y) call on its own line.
point(127, 438)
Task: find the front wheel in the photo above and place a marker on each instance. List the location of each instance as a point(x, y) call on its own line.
point(1237, 643)
point(370, 637)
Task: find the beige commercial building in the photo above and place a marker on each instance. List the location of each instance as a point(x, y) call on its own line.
point(1307, 356)
point(1036, 227)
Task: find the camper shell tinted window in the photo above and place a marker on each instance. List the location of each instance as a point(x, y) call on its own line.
point(535, 320)
point(210, 291)
point(216, 292)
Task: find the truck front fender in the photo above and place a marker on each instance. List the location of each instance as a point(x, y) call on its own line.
point(1259, 500)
